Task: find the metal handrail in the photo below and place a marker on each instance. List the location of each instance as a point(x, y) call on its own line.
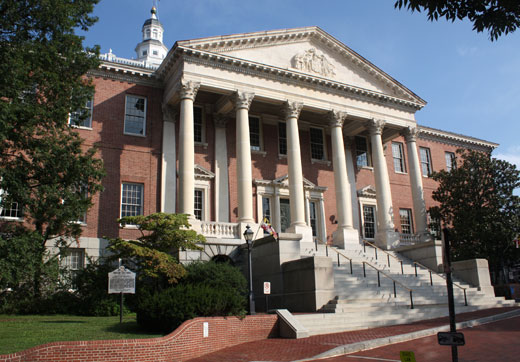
point(410, 290)
point(443, 277)
point(388, 255)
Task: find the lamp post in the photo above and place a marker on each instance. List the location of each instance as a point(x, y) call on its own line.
point(248, 236)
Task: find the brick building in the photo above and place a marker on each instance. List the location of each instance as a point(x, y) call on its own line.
point(289, 125)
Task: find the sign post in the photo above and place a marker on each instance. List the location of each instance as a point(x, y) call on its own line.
point(121, 281)
point(267, 291)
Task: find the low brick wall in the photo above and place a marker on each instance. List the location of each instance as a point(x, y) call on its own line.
point(184, 343)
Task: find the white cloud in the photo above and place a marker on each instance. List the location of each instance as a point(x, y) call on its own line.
point(465, 50)
point(512, 155)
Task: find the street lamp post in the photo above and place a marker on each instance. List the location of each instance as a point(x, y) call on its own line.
point(248, 236)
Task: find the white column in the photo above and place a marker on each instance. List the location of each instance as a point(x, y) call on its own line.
point(168, 168)
point(386, 237)
point(351, 174)
point(419, 206)
point(244, 174)
point(296, 195)
point(221, 169)
point(345, 232)
point(188, 93)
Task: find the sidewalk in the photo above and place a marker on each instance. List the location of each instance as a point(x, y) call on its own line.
point(306, 348)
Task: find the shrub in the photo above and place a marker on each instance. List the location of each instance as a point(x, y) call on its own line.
point(209, 289)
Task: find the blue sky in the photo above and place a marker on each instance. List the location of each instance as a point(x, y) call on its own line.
point(472, 85)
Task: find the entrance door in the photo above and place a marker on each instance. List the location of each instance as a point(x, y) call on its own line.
point(285, 214)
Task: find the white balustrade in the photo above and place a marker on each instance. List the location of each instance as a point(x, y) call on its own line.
point(215, 229)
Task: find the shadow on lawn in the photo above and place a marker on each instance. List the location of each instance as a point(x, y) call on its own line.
point(63, 322)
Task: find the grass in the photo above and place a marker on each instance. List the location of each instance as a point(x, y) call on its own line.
point(21, 332)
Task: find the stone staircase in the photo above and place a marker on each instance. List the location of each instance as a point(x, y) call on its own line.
point(365, 300)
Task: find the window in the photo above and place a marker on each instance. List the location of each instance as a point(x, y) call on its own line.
point(74, 259)
point(154, 32)
point(426, 161)
point(406, 221)
point(148, 33)
point(317, 144)
point(362, 155)
point(451, 161)
point(398, 155)
point(155, 52)
point(285, 214)
point(254, 133)
point(82, 117)
point(198, 207)
point(9, 209)
point(434, 226)
point(369, 221)
point(266, 211)
point(145, 53)
point(198, 125)
point(135, 115)
point(313, 217)
point(282, 138)
point(131, 199)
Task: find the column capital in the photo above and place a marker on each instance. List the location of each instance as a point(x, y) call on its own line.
point(189, 89)
point(168, 113)
point(411, 133)
point(292, 109)
point(243, 100)
point(220, 120)
point(336, 118)
point(375, 126)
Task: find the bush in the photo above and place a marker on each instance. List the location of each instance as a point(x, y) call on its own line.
point(209, 289)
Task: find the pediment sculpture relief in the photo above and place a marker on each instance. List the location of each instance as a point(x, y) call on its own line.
point(313, 61)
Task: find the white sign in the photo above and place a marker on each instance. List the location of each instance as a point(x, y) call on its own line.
point(121, 280)
point(267, 288)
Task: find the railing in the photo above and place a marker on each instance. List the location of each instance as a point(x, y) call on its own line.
point(219, 229)
point(409, 239)
point(110, 57)
point(388, 255)
point(442, 276)
point(395, 283)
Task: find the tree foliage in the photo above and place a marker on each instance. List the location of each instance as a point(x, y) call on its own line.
point(477, 204)
point(44, 166)
point(154, 253)
point(496, 16)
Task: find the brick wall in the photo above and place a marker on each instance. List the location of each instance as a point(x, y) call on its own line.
point(185, 343)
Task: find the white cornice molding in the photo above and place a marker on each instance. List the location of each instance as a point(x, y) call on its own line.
point(455, 139)
point(226, 43)
point(126, 73)
point(282, 75)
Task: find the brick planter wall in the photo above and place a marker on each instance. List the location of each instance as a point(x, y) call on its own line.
point(184, 343)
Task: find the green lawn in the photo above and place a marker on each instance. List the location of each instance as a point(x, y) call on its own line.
point(21, 332)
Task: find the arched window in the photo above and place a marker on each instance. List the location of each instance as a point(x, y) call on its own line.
point(155, 33)
point(147, 33)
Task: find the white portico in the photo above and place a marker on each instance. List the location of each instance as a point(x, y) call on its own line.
point(297, 79)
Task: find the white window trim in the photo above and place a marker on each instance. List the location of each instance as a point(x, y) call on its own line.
point(453, 160)
point(203, 179)
point(411, 220)
point(91, 110)
point(368, 151)
point(203, 126)
point(261, 151)
point(430, 163)
point(325, 159)
point(10, 218)
point(121, 202)
point(367, 202)
point(403, 158)
point(144, 117)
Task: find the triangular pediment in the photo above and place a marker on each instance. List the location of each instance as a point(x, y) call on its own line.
point(368, 192)
point(202, 174)
point(310, 51)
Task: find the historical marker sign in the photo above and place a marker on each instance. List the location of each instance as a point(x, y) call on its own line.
point(450, 339)
point(121, 280)
point(267, 288)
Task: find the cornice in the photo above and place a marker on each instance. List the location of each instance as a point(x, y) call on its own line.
point(220, 44)
point(455, 139)
point(126, 73)
point(284, 76)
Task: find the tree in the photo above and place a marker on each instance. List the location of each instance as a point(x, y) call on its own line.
point(154, 253)
point(477, 204)
point(496, 16)
point(45, 170)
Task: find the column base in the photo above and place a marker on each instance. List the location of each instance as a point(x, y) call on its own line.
point(304, 230)
point(343, 237)
point(387, 239)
